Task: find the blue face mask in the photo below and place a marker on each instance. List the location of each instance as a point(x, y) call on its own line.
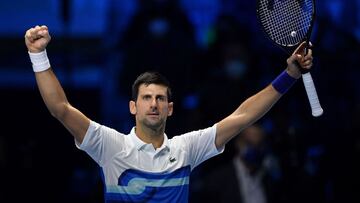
point(159, 27)
point(253, 156)
point(235, 69)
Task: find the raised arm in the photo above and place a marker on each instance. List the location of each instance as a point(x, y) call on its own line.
point(257, 105)
point(36, 40)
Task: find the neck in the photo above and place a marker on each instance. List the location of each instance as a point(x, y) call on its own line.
point(149, 135)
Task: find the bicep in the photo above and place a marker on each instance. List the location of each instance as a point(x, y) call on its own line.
point(75, 122)
point(228, 128)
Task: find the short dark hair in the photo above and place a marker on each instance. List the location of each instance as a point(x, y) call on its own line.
point(148, 78)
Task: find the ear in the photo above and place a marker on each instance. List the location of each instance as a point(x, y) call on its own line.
point(171, 108)
point(132, 107)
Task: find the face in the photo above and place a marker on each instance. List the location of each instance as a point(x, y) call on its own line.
point(251, 149)
point(152, 107)
point(252, 136)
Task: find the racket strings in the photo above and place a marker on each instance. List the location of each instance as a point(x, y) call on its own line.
point(286, 26)
point(281, 32)
point(278, 31)
point(288, 22)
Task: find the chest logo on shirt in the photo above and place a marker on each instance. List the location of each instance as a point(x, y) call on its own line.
point(172, 159)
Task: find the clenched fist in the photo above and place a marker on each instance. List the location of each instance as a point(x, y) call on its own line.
point(298, 58)
point(37, 38)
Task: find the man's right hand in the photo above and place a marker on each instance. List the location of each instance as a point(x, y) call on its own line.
point(37, 38)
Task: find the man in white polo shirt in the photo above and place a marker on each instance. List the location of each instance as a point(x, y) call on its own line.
point(146, 166)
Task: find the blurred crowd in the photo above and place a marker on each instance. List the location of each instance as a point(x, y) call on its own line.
point(215, 55)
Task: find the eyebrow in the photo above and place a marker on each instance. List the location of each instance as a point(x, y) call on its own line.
point(157, 95)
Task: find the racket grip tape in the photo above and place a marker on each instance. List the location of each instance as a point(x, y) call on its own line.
point(316, 109)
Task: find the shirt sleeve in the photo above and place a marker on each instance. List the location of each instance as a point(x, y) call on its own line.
point(200, 145)
point(101, 143)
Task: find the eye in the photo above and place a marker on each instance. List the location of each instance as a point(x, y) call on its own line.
point(146, 97)
point(161, 98)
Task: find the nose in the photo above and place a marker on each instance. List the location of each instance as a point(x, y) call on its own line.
point(153, 103)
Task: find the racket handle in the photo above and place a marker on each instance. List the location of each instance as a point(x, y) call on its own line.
point(316, 109)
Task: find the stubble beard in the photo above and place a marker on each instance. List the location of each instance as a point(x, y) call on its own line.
point(154, 125)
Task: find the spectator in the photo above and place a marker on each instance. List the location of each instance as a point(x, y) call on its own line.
point(252, 175)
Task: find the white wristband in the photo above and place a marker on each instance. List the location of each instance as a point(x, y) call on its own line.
point(40, 61)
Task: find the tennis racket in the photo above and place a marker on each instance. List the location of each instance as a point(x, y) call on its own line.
point(288, 23)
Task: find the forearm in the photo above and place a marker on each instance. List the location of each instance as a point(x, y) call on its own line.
point(36, 40)
point(247, 113)
point(256, 106)
point(58, 105)
point(52, 92)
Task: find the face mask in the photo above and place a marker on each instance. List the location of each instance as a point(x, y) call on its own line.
point(235, 69)
point(159, 27)
point(253, 156)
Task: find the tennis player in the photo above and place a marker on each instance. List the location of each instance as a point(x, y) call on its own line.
point(146, 166)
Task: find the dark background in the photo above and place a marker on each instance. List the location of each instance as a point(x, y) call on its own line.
point(215, 56)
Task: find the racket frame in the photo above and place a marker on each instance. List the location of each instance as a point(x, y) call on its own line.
point(306, 76)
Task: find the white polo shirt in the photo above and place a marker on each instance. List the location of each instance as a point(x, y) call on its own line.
point(134, 171)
